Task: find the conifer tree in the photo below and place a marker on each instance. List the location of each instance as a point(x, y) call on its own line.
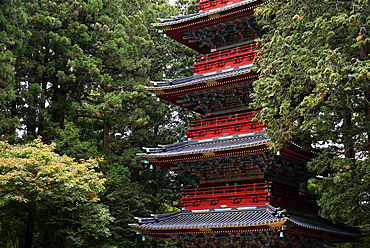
point(11, 38)
point(79, 82)
point(314, 86)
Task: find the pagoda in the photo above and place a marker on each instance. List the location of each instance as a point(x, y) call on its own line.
point(249, 196)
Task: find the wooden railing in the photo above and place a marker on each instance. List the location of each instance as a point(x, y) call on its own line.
point(222, 121)
point(217, 126)
point(229, 57)
point(249, 195)
point(244, 189)
point(212, 4)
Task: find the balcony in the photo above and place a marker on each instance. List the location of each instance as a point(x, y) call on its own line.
point(249, 195)
point(218, 126)
point(232, 57)
point(212, 4)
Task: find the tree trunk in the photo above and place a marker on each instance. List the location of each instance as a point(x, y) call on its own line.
point(31, 122)
point(367, 113)
point(106, 137)
point(347, 137)
point(364, 51)
point(28, 236)
point(58, 106)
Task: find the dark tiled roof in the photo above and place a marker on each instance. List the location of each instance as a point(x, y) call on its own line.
point(206, 145)
point(240, 217)
point(201, 78)
point(320, 224)
point(201, 14)
point(209, 218)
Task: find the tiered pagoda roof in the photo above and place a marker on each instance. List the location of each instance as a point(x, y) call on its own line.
point(203, 148)
point(213, 93)
point(229, 158)
point(231, 24)
point(207, 147)
point(204, 79)
point(253, 223)
point(222, 79)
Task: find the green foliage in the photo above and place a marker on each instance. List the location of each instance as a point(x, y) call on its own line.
point(313, 68)
point(69, 141)
point(10, 38)
point(187, 7)
point(47, 199)
point(77, 76)
point(7, 94)
point(348, 185)
point(314, 86)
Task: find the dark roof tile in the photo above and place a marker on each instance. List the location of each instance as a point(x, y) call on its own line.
point(249, 216)
point(211, 144)
point(195, 79)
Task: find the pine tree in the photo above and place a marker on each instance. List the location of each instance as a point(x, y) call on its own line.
point(11, 38)
point(79, 82)
point(314, 87)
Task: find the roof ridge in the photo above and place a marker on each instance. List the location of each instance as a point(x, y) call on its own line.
point(201, 78)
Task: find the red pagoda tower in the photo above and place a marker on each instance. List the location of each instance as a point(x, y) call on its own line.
point(249, 196)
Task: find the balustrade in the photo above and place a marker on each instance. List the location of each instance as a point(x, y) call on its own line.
point(222, 121)
point(229, 57)
point(232, 124)
point(249, 195)
point(245, 189)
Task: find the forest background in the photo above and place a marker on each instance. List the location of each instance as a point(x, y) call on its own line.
point(73, 72)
